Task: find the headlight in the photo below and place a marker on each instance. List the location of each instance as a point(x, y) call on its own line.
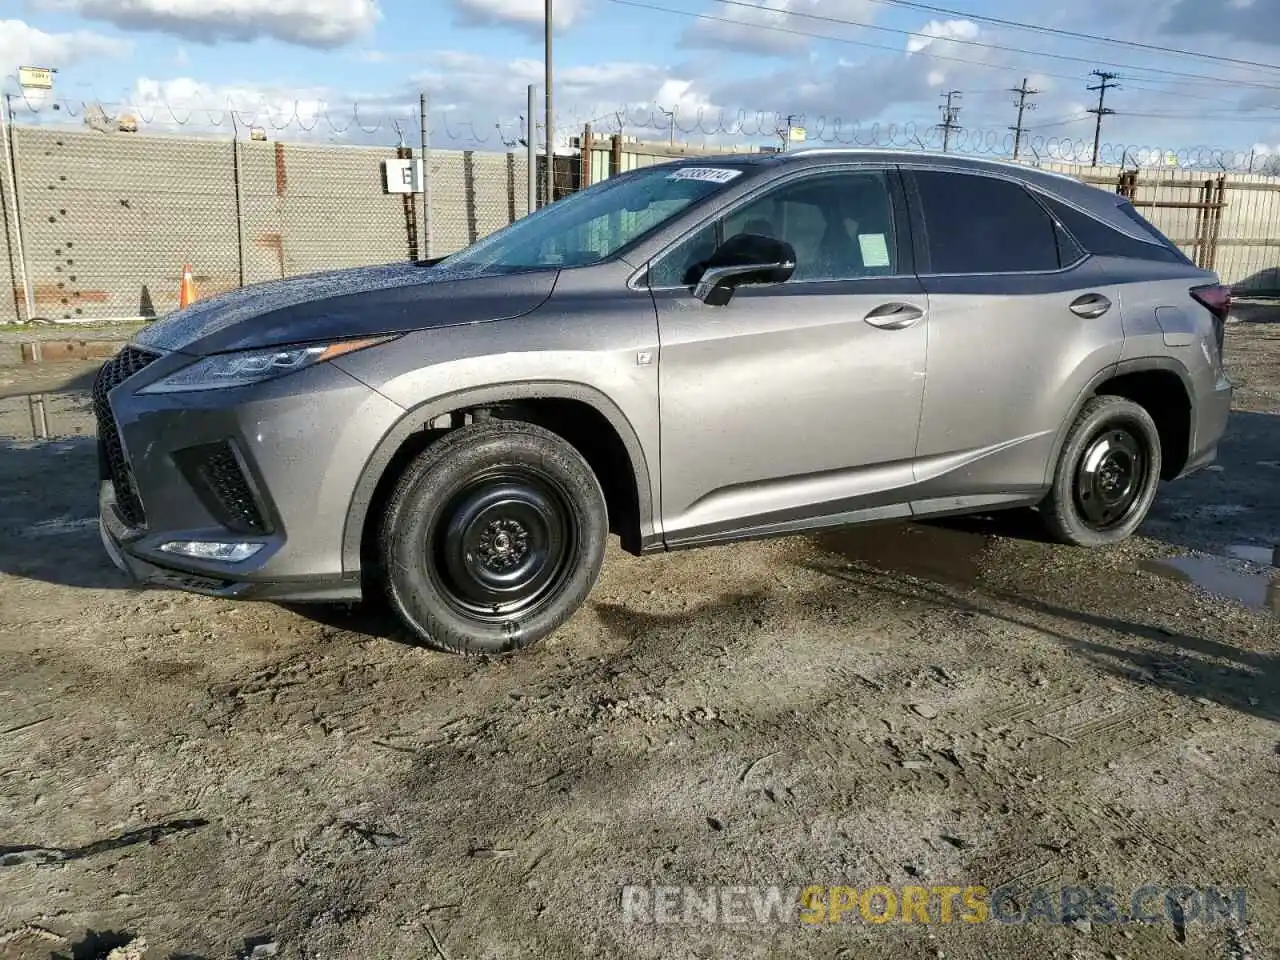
point(253, 366)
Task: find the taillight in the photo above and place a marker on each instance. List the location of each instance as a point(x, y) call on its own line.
point(1216, 298)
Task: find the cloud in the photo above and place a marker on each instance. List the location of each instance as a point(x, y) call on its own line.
point(195, 108)
point(523, 14)
point(762, 27)
point(183, 101)
point(472, 93)
point(23, 45)
point(936, 30)
point(311, 23)
point(1256, 21)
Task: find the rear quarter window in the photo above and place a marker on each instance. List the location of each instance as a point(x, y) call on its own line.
point(1105, 241)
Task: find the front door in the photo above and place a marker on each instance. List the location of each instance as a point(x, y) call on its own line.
point(798, 403)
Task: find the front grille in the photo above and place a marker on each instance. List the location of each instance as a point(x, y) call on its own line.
point(113, 464)
point(214, 472)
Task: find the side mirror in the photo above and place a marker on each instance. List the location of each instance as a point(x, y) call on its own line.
point(747, 258)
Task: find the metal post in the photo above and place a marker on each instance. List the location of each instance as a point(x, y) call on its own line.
point(424, 232)
point(235, 181)
point(550, 121)
point(531, 151)
point(39, 419)
point(11, 164)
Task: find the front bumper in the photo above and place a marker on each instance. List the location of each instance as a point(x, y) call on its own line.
point(287, 456)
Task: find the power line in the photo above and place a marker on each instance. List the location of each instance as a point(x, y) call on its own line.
point(1002, 68)
point(639, 4)
point(1022, 93)
point(1075, 35)
point(1073, 118)
point(1203, 116)
point(949, 114)
point(1092, 61)
point(1101, 111)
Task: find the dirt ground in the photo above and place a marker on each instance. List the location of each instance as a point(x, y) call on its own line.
point(935, 705)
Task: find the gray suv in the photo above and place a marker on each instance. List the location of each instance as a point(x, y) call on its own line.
point(687, 354)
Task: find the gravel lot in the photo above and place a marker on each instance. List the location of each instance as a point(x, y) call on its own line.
point(894, 705)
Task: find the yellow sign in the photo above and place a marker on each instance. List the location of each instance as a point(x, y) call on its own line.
point(35, 78)
point(796, 134)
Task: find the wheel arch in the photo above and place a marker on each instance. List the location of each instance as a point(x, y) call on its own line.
point(1112, 380)
point(413, 432)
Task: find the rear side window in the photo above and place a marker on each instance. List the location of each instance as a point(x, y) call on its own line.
point(1097, 237)
point(979, 224)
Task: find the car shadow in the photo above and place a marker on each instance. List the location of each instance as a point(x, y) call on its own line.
point(1180, 663)
point(49, 379)
point(49, 514)
point(1233, 503)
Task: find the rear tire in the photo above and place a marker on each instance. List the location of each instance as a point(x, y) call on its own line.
point(493, 538)
point(1107, 475)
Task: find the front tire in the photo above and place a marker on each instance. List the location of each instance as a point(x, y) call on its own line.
point(493, 537)
point(1107, 474)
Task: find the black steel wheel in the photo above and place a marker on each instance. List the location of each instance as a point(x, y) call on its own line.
point(493, 537)
point(1110, 477)
point(502, 542)
point(1107, 475)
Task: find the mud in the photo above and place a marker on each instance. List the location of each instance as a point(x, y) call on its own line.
point(947, 704)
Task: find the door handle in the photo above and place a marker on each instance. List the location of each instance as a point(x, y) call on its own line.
point(895, 316)
point(1090, 306)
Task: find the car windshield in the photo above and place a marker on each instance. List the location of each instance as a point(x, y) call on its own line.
point(595, 224)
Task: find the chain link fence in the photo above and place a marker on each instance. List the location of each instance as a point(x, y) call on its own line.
point(106, 222)
point(106, 218)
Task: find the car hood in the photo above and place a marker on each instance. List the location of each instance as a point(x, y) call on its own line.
point(359, 301)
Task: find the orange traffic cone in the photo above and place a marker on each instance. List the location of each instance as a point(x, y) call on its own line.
point(187, 289)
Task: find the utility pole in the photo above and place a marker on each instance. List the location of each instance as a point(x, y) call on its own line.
point(550, 121)
point(531, 150)
point(424, 246)
point(1022, 93)
point(670, 115)
point(785, 133)
point(1100, 110)
point(949, 114)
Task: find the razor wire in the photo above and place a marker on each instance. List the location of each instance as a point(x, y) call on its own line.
point(378, 119)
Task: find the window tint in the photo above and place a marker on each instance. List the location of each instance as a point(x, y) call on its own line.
point(977, 224)
point(841, 226)
point(1097, 237)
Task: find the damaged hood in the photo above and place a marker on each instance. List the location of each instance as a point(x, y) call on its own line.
point(360, 301)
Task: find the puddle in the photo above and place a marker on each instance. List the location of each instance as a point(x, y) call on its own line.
point(1226, 577)
point(1263, 555)
point(936, 553)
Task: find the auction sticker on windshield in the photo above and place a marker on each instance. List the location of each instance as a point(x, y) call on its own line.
point(711, 174)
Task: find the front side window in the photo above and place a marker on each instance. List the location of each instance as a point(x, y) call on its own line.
point(841, 226)
point(593, 225)
point(979, 224)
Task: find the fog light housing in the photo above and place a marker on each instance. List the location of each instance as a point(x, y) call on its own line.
point(209, 550)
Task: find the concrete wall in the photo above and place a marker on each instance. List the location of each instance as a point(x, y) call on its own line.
point(110, 219)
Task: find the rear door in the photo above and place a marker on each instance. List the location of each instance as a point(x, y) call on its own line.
point(1020, 319)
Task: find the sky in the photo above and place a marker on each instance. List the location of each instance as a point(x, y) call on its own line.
point(846, 70)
